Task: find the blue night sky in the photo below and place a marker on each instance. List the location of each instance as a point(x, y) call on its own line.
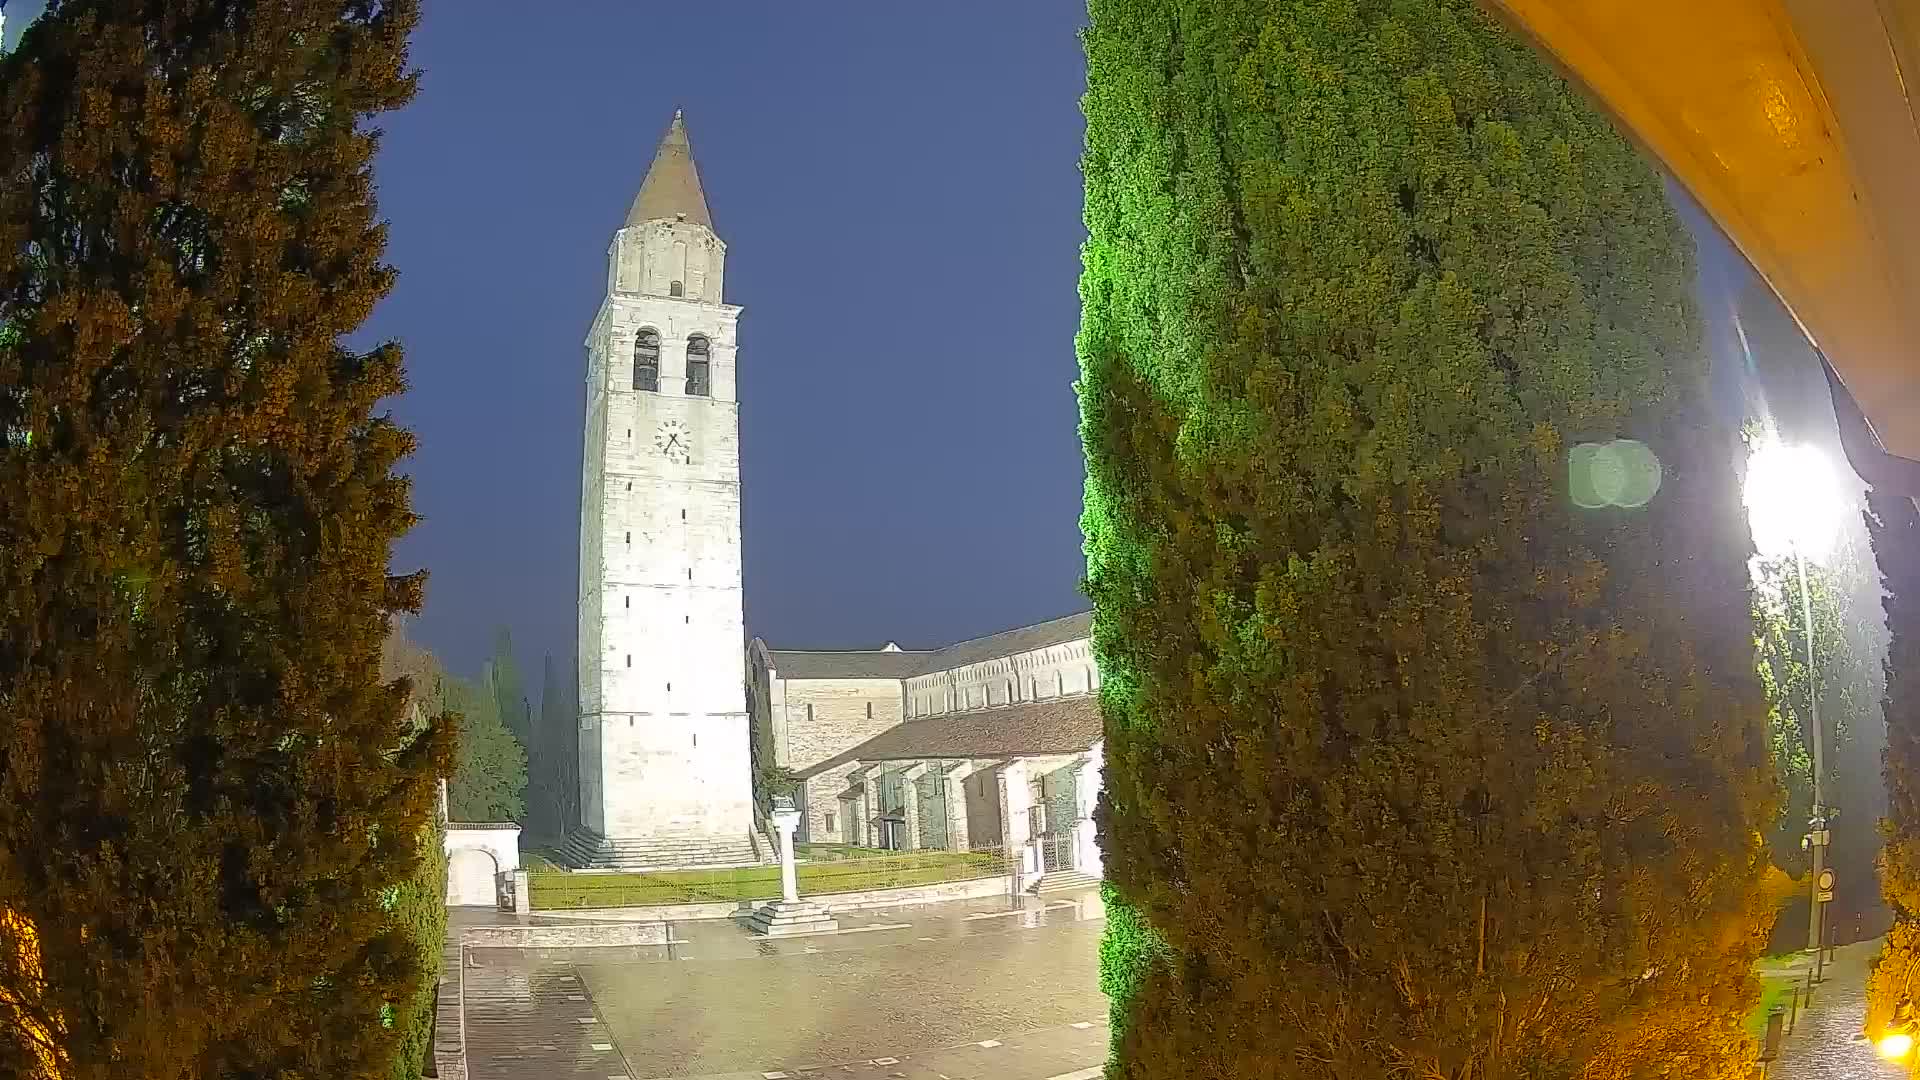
point(898, 185)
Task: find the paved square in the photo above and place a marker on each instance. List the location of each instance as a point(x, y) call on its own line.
point(918, 994)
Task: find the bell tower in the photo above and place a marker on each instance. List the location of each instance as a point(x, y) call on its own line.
point(665, 759)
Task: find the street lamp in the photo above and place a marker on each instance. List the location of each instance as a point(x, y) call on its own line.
point(1793, 501)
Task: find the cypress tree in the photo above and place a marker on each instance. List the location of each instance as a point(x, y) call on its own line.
point(553, 761)
point(501, 677)
point(1895, 529)
point(208, 794)
point(1413, 767)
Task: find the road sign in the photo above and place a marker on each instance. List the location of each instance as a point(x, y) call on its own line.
point(1824, 895)
point(1826, 881)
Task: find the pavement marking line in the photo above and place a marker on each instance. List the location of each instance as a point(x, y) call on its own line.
point(773, 1076)
point(988, 1043)
point(585, 1020)
point(879, 926)
point(993, 914)
point(1083, 1025)
point(1092, 1072)
point(603, 1047)
point(886, 1061)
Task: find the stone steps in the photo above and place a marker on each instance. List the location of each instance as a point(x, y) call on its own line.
point(585, 850)
point(1060, 881)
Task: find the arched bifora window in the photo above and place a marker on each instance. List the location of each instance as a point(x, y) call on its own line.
point(646, 359)
point(699, 368)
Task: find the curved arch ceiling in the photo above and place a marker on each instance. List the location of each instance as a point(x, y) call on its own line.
point(1793, 123)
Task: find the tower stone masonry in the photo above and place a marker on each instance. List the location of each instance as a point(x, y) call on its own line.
point(665, 757)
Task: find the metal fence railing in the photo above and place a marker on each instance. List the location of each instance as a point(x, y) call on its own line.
point(820, 872)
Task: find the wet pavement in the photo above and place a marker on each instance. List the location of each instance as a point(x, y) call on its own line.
point(1827, 1043)
point(967, 990)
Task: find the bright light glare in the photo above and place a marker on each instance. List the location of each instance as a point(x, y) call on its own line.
point(1793, 500)
point(1895, 1046)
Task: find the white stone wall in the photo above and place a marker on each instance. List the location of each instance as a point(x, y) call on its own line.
point(475, 858)
point(1059, 670)
point(664, 728)
point(814, 719)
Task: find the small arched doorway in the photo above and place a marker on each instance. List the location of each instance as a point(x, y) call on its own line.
point(470, 878)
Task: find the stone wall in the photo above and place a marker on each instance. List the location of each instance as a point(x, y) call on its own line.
point(814, 719)
point(477, 853)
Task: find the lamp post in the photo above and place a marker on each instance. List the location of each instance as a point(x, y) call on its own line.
point(1794, 507)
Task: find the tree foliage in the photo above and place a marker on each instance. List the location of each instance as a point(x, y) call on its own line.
point(489, 777)
point(553, 758)
point(489, 781)
point(1895, 529)
point(1850, 729)
point(501, 677)
point(1412, 768)
point(207, 791)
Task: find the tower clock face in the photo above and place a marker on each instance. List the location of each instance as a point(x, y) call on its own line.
point(674, 442)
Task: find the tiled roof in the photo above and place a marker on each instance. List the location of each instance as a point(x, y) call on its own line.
point(852, 664)
point(1031, 728)
point(896, 664)
point(1010, 642)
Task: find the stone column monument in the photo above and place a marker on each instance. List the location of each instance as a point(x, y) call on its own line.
point(789, 915)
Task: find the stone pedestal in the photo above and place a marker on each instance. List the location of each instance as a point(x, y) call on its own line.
point(782, 918)
point(789, 915)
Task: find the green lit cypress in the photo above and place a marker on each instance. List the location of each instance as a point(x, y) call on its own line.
point(1413, 768)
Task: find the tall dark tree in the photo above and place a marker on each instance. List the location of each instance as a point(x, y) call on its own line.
point(208, 794)
point(501, 677)
point(1413, 768)
point(1895, 528)
point(553, 765)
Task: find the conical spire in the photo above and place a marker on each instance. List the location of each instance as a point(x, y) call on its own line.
point(672, 187)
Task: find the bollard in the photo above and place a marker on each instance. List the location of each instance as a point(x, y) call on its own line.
point(1793, 1010)
point(1770, 1046)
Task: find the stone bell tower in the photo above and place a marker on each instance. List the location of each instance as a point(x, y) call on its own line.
point(665, 760)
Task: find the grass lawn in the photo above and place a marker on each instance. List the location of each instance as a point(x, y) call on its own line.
point(1778, 976)
point(552, 888)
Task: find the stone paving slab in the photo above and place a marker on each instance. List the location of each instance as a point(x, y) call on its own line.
point(1001, 990)
point(1066, 1052)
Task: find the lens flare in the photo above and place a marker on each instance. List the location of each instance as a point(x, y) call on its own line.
point(1895, 1046)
